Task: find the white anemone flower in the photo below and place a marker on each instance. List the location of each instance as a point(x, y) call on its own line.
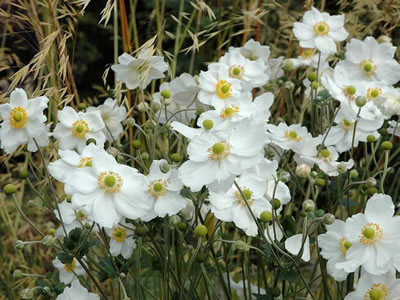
point(109, 191)
point(68, 272)
point(371, 61)
point(253, 50)
point(121, 239)
point(215, 159)
point(320, 30)
point(112, 115)
point(374, 236)
point(334, 246)
point(232, 207)
point(295, 243)
point(252, 73)
point(141, 70)
point(181, 103)
point(163, 189)
point(70, 161)
point(288, 137)
point(376, 287)
point(389, 102)
point(23, 122)
point(274, 232)
point(77, 292)
point(217, 88)
point(75, 128)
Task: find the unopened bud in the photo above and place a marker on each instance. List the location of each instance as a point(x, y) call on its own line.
point(23, 173)
point(113, 151)
point(10, 189)
point(266, 216)
point(284, 176)
point(145, 155)
point(287, 65)
point(200, 231)
point(176, 157)
point(165, 168)
point(361, 101)
point(49, 241)
point(384, 39)
point(328, 219)
point(81, 106)
point(371, 138)
point(303, 170)
point(19, 245)
point(289, 85)
point(276, 203)
point(320, 182)
point(143, 106)
point(354, 174)
point(341, 168)
point(241, 246)
point(386, 145)
point(155, 107)
point(130, 122)
point(308, 205)
point(27, 293)
point(371, 181)
point(136, 144)
point(312, 76)
point(18, 274)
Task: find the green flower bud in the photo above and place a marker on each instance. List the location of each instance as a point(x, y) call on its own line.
point(276, 292)
point(143, 106)
point(49, 241)
point(308, 205)
point(176, 157)
point(320, 182)
point(314, 85)
point(328, 219)
point(18, 274)
point(386, 145)
point(372, 190)
point(287, 65)
point(69, 198)
point(52, 231)
point(241, 246)
point(201, 257)
point(9, 189)
point(113, 151)
point(276, 203)
point(81, 106)
point(137, 144)
point(27, 293)
point(283, 176)
point(370, 182)
point(354, 174)
point(23, 173)
point(145, 156)
point(165, 168)
point(383, 131)
point(312, 76)
point(208, 124)
point(140, 231)
point(19, 245)
point(266, 216)
point(200, 231)
point(130, 122)
point(371, 138)
point(384, 39)
point(361, 101)
point(341, 168)
point(182, 226)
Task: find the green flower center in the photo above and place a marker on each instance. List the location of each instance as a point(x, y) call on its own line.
point(110, 181)
point(208, 124)
point(218, 148)
point(157, 187)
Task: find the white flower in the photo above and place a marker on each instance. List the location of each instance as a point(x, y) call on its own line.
point(309, 57)
point(376, 287)
point(274, 232)
point(217, 88)
point(109, 191)
point(183, 91)
point(216, 158)
point(253, 50)
point(371, 61)
point(252, 73)
point(70, 161)
point(389, 102)
point(275, 68)
point(240, 292)
point(75, 128)
point(140, 71)
point(341, 135)
point(112, 115)
point(294, 244)
point(77, 292)
point(23, 121)
point(164, 191)
point(71, 218)
point(320, 30)
point(374, 236)
point(334, 245)
point(121, 241)
point(66, 271)
point(231, 207)
point(287, 137)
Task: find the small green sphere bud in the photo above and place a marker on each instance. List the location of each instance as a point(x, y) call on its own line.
point(287, 65)
point(320, 182)
point(354, 174)
point(383, 131)
point(384, 39)
point(312, 76)
point(137, 144)
point(375, 294)
point(201, 257)
point(166, 94)
point(182, 226)
point(361, 101)
point(276, 292)
point(19, 245)
point(369, 233)
point(81, 106)
point(341, 168)
point(23, 173)
point(266, 216)
point(27, 293)
point(140, 231)
point(371, 138)
point(32, 203)
point(241, 246)
point(328, 219)
point(371, 182)
point(350, 90)
point(165, 168)
point(52, 231)
point(145, 156)
point(276, 203)
point(91, 141)
point(49, 241)
point(9, 189)
point(283, 176)
point(130, 122)
point(155, 107)
point(372, 190)
point(69, 198)
point(208, 124)
point(314, 85)
point(200, 231)
point(143, 106)
point(18, 274)
point(386, 145)
point(308, 205)
point(303, 170)
point(289, 85)
point(176, 157)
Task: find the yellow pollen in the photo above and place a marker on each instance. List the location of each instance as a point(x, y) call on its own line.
point(321, 28)
point(110, 181)
point(17, 117)
point(158, 188)
point(292, 135)
point(85, 162)
point(370, 234)
point(368, 67)
point(219, 151)
point(344, 245)
point(119, 234)
point(377, 291)
point(248, 194)
point(372, 93)
point(224, 89)
point(80, 128)
point(229, 112)
point(70, 267)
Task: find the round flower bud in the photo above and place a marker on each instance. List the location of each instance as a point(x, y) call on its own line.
point(276, 203)
point(383, 131)
point(9, 189)
point(165, 168)
point(320, 182)
point(113, 151)
point(200, 231)
point(143, 106)
point(208, 124)
point(361, 101)
point(371, 181)
point(275, 291)
point(354, 174)
point(69, 198)
point(130, 122)
point(176, 157)
point(201, 257)
point(287, 65)
point(91, 141)
point(312, 76)
point(27, 293)
point(341, 168)
point(371, 138)
point(308, 205)
point(182, 226)
point(372, 190)
point(266, 216)
point(23, 173)
point(314, 85)
point(145, 155)
point(81, 106)
point(136, 144)
point(166, 94)
point(284, 176)
point(174, 220)
point(386, 145)
point(303, 170)
point(384, 39)
point(241, 246)
point(140, 231)
point(49, 241)
point(52, 231)
point(289, 85)
point(328, 219)
point(155, 107)
point(19, 244)
point(18, 274)
point(165, 101)
point(31, 203)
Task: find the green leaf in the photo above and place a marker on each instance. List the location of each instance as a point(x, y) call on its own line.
point(65, 258)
